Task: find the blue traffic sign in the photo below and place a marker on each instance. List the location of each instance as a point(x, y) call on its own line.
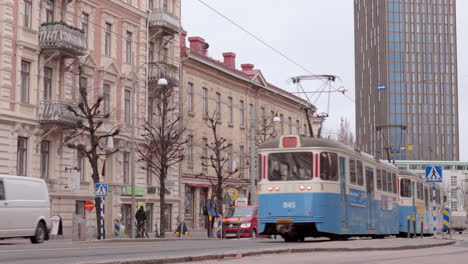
point(433, 174)
point(381, 87)
point(100, 189)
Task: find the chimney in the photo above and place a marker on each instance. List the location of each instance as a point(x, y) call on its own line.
point(247, 67)
point(196, 44)
point(230, 59)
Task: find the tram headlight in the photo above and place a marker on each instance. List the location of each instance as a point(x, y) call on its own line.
point(270, 188)
point(301, 187)
point(309, 187)
point(277, 188)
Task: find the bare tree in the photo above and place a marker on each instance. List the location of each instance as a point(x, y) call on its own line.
point(90, 128)
point(163, 132)
point(345, 135)
point(219, 159)
point(265, 131)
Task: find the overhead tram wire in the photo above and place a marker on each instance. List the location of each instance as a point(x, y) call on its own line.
point(261, 41)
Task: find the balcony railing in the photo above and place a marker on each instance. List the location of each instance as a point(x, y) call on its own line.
point(158, 70)
point(69, 41)
point(164, 19)
point(57, 112)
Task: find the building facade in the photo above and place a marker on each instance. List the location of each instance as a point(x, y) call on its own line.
point(406, 79)
point(42, 43)
point(211, 87)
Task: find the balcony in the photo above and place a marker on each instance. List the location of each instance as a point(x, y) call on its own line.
point(58, 36)
point(164, 20)
point(56, 112)
point(158, 70)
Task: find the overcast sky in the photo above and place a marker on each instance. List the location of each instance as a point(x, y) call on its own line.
point(316, 34)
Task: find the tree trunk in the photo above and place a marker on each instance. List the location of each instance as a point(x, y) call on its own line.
point(97, 200)
point(162, 202)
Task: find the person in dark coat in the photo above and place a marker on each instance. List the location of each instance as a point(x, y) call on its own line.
point(140, 217)
point(212, 212)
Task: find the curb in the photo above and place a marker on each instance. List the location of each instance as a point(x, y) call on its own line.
point(145, 240)
point(266, 252)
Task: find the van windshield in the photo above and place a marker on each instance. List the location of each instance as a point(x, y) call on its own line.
point(239, 212)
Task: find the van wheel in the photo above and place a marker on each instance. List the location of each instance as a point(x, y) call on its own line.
point(40, 234)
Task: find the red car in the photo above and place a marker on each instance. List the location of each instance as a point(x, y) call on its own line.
point(242, 220)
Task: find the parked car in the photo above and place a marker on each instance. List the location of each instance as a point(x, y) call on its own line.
point(242, 219)
point(24, 208)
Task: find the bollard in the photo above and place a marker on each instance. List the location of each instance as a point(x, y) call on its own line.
point(238, 228)
point(414, 227)
point(422, 227)
point(409, 226)
point(117, 227)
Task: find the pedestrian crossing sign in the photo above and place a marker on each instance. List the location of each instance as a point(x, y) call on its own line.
point(433, 174)
point(100, 189)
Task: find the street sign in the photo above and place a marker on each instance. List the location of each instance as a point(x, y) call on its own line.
point(433, 174)
point(233, 193)
point(100, 189)
point(381, 87)
point(89, 206)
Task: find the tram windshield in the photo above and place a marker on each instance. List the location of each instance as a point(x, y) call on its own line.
point(294, 166)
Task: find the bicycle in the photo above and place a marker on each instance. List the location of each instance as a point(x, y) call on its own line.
point(141, 231)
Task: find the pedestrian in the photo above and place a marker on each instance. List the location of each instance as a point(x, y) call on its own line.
point(212, 212)
point(141, 219)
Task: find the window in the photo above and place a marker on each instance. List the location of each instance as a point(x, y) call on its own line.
point(230, 110)
point(453, 194)
point(47, 83)
point(190, 97)
point(328, 166)
point(164, 54)
point(395, 183)
point(281, 124)
point(126, 167)
point(262, 116)
point(106, 98)
point(405, 188)
point(218, 106)
point(2, 191)
point(127, 106)
point(453, 205)
point(359, 173)
point(290, 125)
point(229, 156)
point(149, 174)
point(390, 182)
point(107, 39)
point(352, 171)
point(22, 154)
point(27, 13)
point(83, 84)
point(251, 113)
point(150, 4)
point(205, 157)
point(151, 52)
point(85, 25)
point(294, 166)
point(384, 181)
point(298, 127)
point(453, 180)
point(80, 208)
point(379, 179)
point(241, 113)
point(205, 102)
point(44, 159)
point(25, 80)
point(128, 48)
point(190, 149)
point(241, 157)
point(49, 7)
point(80, 160)
point(150, 110)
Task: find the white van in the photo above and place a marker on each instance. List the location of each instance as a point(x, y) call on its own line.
point(24, 208)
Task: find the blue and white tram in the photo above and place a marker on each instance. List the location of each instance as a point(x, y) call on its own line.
point(418, 211)
point(317, 187)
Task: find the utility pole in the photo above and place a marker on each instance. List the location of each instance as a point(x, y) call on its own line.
point(252, 171)
point(132, 117)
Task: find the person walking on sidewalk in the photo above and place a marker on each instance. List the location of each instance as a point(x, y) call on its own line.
point(141, 219)
point(212, 212)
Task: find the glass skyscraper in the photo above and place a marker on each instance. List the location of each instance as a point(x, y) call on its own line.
point(406, 79)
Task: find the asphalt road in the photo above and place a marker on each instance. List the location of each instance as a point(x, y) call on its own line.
point(16, 252)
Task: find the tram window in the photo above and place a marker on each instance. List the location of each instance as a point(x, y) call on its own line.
point(295, 166)
point(419, 191)
point(379, 179)
point(329, 166)
point(426, 195)
point(352, 171)
point(360, 177)
point(384, 181)
point(259, 167)
point(405, 188)
point(394, 180)
point(389, 182)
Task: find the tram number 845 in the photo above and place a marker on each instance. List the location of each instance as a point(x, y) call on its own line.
point(289, 204)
